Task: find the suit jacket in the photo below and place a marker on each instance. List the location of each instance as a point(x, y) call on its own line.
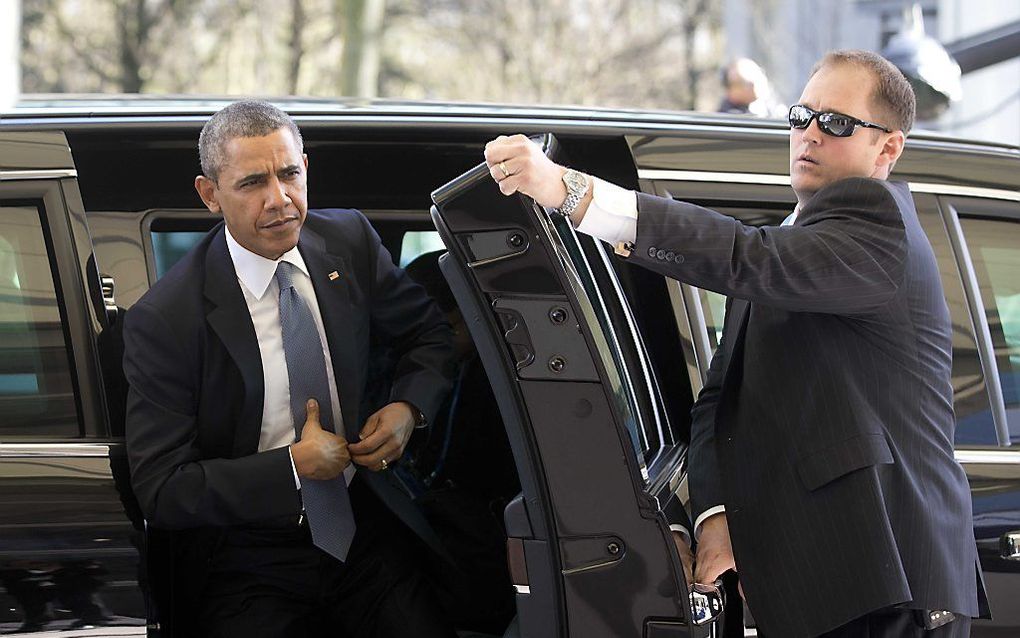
point(826, 422)
point(192, 360)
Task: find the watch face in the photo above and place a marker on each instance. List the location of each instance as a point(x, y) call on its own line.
point(575, 181)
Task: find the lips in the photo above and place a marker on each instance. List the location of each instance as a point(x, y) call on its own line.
point(276, 224)
point(806, 158)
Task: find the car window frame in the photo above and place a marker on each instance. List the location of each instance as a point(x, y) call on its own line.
point(45, 190)
point(986, 204)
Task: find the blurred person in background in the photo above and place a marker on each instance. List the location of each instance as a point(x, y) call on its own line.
point(748, 91)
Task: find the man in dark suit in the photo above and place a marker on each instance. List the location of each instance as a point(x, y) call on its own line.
point(246, 367)
point(822, 442)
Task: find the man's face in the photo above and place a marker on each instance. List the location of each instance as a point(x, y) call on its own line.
point(818, 159)
point(741, 90)
point(261, 192)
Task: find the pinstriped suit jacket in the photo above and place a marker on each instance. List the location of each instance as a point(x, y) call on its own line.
point(826, 423)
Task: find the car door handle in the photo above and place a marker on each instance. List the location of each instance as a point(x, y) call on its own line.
point(1010, 545)
point(707, 603)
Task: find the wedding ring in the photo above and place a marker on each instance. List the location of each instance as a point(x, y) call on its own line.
point(502, 167)
point(385, 464)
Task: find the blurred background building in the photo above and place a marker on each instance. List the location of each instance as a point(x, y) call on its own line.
point(786, 37)
point(650, 54)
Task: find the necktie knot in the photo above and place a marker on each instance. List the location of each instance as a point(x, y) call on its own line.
point(285, 274)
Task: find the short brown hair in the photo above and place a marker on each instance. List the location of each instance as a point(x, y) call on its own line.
point(893, 98)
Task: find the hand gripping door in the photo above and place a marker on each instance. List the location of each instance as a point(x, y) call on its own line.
point(590, 548)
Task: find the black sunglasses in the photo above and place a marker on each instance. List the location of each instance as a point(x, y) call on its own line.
point(835, 124)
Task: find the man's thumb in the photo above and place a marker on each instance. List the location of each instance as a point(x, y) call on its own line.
point(312, 408)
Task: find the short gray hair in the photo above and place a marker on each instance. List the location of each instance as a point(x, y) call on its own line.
point(248, 118)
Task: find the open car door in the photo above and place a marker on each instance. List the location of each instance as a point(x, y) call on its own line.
point(590, 547)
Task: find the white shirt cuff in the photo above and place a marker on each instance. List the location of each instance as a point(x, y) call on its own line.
point(297, 481)
point(712, 511)
point(611, 215)
point(680, 529)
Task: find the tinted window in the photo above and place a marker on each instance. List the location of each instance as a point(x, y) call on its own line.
point(975, 424)
point(418, 242)
point(169, 246)
point(994, 247)
point(37, 395)
point(632, 306)
point(647, 295)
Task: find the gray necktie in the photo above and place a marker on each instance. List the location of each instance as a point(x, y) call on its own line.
point(327, 503)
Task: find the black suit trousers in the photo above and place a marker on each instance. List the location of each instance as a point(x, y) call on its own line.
point(895, 623)
point(271, 582)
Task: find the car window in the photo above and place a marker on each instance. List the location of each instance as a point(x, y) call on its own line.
point(418, 242)
point(170, 243)
point(994, 247)
point(624, 299)
point(169, 246)
point(975, 425)
point(37, 389)
point(647, 295)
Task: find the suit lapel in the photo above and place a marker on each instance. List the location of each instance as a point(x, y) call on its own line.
point(333, 296)
point(231, 321)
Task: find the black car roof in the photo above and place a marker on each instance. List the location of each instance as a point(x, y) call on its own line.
point(73, 109)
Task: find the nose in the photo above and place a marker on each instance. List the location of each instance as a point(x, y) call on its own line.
point(276, 194)
point(812, 133)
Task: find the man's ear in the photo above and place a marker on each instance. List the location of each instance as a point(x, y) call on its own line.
point(207, 191)
point(892, 148)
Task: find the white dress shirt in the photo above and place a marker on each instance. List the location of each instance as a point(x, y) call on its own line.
point(256, 274)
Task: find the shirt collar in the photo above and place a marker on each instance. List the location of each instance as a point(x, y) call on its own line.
point(792, 217)
point(255, 271)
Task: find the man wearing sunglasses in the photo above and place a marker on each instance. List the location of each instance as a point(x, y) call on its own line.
point(821, 456)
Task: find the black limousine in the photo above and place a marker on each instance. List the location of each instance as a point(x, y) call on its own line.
point(96, 203)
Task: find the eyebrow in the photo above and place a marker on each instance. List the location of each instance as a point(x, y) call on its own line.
point(259, 176)
point(825, 109)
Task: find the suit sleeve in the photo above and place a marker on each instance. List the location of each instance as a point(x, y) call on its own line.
point(175, 487)
point(845, 256)
point(703, 466)
point(411, 323)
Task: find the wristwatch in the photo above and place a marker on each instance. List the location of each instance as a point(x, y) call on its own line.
point(577, 185)
point(420, 419)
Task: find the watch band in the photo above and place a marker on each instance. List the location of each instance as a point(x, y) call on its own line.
point(577, 185)
point(569, 204)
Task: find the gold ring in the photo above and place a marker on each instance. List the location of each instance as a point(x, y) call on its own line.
point(502, 167)
point(385, 464)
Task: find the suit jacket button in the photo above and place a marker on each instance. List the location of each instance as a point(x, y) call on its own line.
point(679, 259)
point(651, 251)
point(669, 255)
point(659, 254)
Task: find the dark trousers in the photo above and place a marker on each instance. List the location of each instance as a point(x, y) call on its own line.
point(272, 582)
point(897, 623)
